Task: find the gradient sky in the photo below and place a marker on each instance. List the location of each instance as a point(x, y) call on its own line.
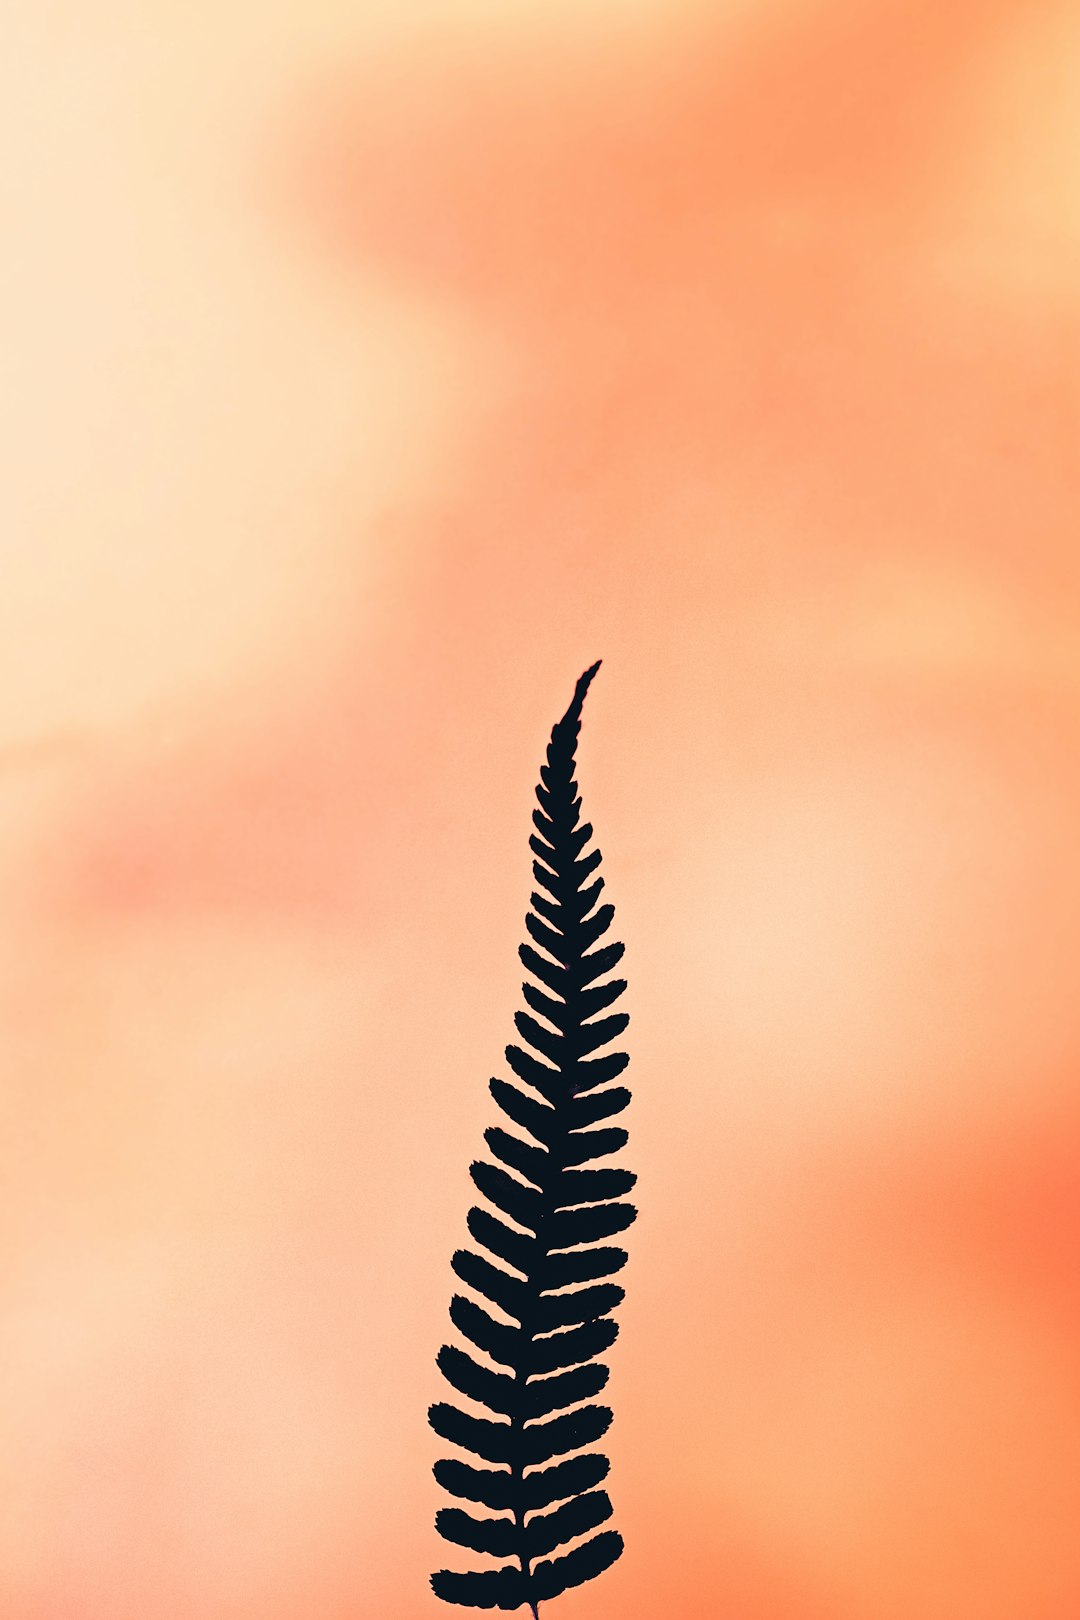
point(369, 371)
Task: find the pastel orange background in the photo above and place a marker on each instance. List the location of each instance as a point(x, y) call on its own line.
point(369, 371)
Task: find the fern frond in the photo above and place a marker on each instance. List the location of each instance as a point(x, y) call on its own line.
point(541, 1259)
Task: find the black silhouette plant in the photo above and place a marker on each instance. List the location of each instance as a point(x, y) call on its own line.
point(547, 1330)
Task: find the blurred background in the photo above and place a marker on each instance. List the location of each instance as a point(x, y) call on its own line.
point(368, 371)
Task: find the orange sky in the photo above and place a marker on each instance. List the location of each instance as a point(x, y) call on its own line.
point(369, 372)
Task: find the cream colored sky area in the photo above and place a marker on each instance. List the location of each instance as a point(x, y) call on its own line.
point(205, 435)
point(201, 432)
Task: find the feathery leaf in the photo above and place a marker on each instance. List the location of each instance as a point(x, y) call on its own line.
point(575, 1518)
point(558, 1350)
point(490, 1389)
point(564, 1269)
point(502, 1344)
point(517, 1250)
point(588, 1224)
point(546, 1080)
point(585, 1145)
point(492, 1487)
point(571, 1310)
point(592, 1558)
point(552, 974)
point(496, 1536)
point(522, 1204)
point(540, 1121)
point(509, 1293)
point(540, 1259)
point(591, 1110)
point(546, 1395)
point(565, 1479)
point(502, 1588)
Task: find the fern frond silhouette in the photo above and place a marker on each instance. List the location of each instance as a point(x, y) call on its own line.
point(539, 1260)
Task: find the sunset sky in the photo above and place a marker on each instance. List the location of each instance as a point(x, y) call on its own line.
point(370, 370)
